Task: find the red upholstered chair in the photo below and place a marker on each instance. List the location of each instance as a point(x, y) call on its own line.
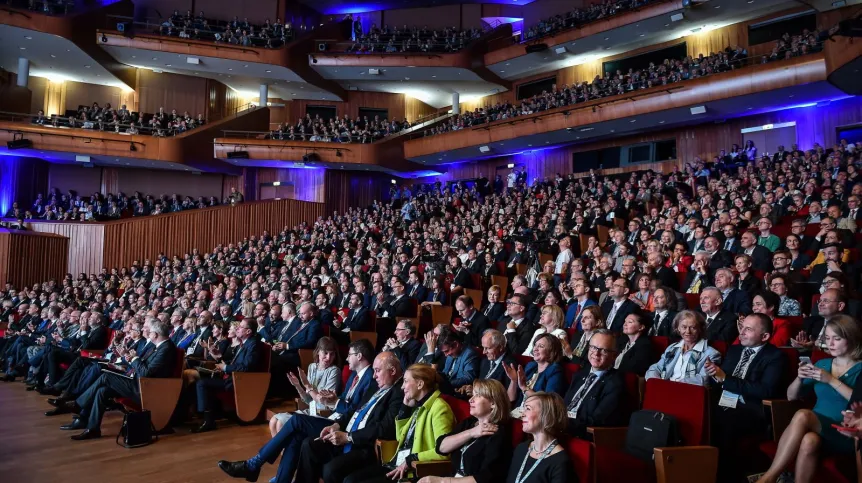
point(517, 432)
point(659, 345)
point(583, 456)
point(817, 355)
point(460, 407)
point(159, 396)
point(794, 323)
point(523, 360)
point(720, 346)
point(693, 461)
point(692, 300)
point(571, 369)
point(476, 284)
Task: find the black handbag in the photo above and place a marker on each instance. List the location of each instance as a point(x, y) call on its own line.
point(649, 430)
point(137, 430)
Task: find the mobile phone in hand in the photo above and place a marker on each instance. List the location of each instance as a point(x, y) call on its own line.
point(804, 360)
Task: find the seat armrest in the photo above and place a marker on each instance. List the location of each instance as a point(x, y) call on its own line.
point(300, 404)
point(684, 464)
point(433, 468)
point(782, 412)
point(386, 449)
point(614, 438)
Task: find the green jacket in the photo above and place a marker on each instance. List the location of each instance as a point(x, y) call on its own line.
point(435, 419)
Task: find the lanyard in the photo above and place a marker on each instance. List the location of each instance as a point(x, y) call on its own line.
point(408, 441)
point(463, 452)
point(542, 456)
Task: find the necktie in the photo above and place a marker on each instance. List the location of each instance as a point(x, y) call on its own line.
point(656, 324)
point(611, 315)
point(743, 363)
point(709, 320)
point(492, 369)
point(361, 415)
point(582, 392)
point(727, 244)
point(620, 356)
point(353, 385)
point(488, 308)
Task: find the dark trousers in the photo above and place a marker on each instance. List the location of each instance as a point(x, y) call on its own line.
point(52, 362)
point(207, 392)
point(729, 427)
point(73, 374)
point(95, 399)
point(319, 459)
point(289, 441)
point(370, 474)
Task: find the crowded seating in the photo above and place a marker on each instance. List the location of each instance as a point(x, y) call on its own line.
point(344, 130)
point(639, 273)
point(106, 118)
point(237, 32)
point(48, 7)
point(580, 16)
point(413, 39)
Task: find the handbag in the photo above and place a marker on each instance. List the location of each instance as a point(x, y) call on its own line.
point(649, 430)
point(137, 430)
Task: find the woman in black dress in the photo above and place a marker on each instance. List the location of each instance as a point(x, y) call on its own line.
point(544, 459)
point(479, 446)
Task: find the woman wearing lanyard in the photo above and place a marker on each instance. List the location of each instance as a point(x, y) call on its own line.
point(423, 419)
point(543, 460)
point(480, 446)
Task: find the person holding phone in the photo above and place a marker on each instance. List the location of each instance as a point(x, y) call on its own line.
point(812, 432)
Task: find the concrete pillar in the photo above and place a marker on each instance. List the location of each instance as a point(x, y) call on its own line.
point(456, 103)
point(23, 71)
point(264, 95)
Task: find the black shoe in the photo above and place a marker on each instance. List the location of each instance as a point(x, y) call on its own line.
point(87, 434)
point(72, 406)
point(206, 427)
point(7, 378)
point(48, 391)
point(76, 423)
point(238, 469)
point(32, 388)
point(57, 411)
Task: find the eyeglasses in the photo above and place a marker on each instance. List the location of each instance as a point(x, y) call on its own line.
point(775, 259)
point(352, 354)
point(400, 328)
point(601, 350)
point(513, 303)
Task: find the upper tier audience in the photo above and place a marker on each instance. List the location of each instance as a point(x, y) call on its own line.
point(237, 32)
point(106, 118)
point(345, 130)
point(412, 39)
point(50, 7)
point(672, 262)
point(580, 16)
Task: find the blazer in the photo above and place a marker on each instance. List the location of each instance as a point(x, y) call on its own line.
point(518, 339)
point(407, 353)
point(628, 307)
point(416, 292)
point(663, 369)
point(478, 325)
point(812, 326)
point(436, 359)
point(749, 285)
point(96, 338)
point(248, 358)
point(303, 336)
point(396, 308)
point(761, 257)
point(667, 277)
point(638, 358)
point(723, 258)
point(495, 312)
point(499, 373)
point(603, 405)
point(326, 316)
point(486, 459)
point(434, 419)
point(461, 370)
point(574, 313)
point(552, 379)
point(705, 281)
point(762, 379)
point(737, 302)
point(665, 327)
point(380, 422)
point(356, 319)
point(160, 363)
point(723, 327)
point(348, 404)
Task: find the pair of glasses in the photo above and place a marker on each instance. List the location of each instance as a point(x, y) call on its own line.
point(601, 351)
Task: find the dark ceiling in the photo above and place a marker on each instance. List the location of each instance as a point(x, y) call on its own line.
point(354, 6)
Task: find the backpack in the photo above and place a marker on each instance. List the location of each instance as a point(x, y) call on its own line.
point(649, 430)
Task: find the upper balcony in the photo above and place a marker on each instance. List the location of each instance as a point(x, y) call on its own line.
point(803, 80)
point(284, 68)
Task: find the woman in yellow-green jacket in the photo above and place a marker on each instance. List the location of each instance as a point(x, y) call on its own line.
point(423, 418)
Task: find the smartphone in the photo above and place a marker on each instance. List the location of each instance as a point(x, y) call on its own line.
point(804, 360)
point(843, 428)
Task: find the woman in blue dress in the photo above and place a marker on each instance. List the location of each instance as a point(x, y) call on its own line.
point(543, 374)
point(810, 433)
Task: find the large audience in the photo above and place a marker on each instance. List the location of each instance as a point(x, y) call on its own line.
point(719, 265)
point(392, 40)
point(102, 207)
point(106, 118)
point(670, 71)
point(580, 16)
point(344, 130)
point(238, 32)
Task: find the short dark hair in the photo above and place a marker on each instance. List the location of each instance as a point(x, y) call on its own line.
point(765, 322)
point(364, 348)
point(450, 337)
point(252, 324)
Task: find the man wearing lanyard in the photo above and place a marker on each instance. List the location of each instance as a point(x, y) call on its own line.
point(348, 444)
point(301, 426)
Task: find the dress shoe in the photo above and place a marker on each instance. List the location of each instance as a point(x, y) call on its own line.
point(72, 406)
point(48, 391)
point(56, 402)
point(32, 388)
point(87, 434)
point(76, 423)
point(57, 411)
point(206, 427)
point(7, 378)
point(238, 469)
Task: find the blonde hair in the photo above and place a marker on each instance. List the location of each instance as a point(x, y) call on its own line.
point(597, 314)
point(557, 315)
point(493, 390)
point(847, 328)
point(552, 410)
point(425, 373)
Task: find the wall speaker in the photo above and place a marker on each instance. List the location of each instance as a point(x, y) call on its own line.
point(237, 155)
point(484, 149)
point(321, 47)
point(698, 110)
point(536, 48)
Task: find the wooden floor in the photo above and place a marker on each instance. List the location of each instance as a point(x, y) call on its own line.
point(34, 449)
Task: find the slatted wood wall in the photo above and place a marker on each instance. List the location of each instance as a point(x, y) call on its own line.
point(28, 257)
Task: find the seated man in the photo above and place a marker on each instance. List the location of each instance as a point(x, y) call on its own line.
point(492, 366)
point(68, 350)
point(246, 359)
point(752, 371)
point(355, 320)
point(403, 345)
point(462, 362)
point(300, 426)
point(430, 352)
point(159, 363)
point(720, 324)
point(597, 393)
point(472, 323)
point(285, 350)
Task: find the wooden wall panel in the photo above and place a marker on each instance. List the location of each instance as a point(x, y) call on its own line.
point(229, 182)
point(85, 247)
point(394, 103)
point(27, 258)
point(415, 109)
point(158, 182)
point(110, 180)
point(83, 94)
point(171, 91)
point(256, 12)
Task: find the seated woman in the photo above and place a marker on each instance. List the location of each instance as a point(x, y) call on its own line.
point(494, 309)
point(634, 351)
point(550, 322)
point(643, 295)
point(685, 361)
point(542, 460)
point(217, 349)
point(480, 447)
point(766, 303)
point(324, 374)
point(543, 374)
point(435, 296)
point(591, 319)
point(781, 285)
point(424, 418)
point(810, 432)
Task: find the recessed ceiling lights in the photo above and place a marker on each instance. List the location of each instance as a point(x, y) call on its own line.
point(607, 38)
point(230, 68)
point(246, 65)
point(718, 6)
point(661, 122)
point(634, 120)
point(53, 56)
point(268, 71)
point(167, 65)
point(28, 37)
point(433, 76)
point(612, 130)
point(667, 25)
point(88, 66)
point(502, 71)
point(155, 58)
point(642, 35)
point(23, 48)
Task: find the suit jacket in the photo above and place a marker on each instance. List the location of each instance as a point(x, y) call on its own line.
point(705, 280)
point(813, 325)
point(494, 313)
point(161, 362)
point(326, 316)
point(97, 338)
point(638, 358)
point(499, 373)
point(478, 325)
point(721, 259)
point(574, 313)
point(665, 327)
point(667, 277)
point(737, 302)
point(435, 359)
point(603, 405)
point(723, 327)
point(518, 340)
point(463, 369)
point(408, 352)
point(416, 292)
point(396, 308)
point(761, 257)
point(762, 379)
point(196, 343)
point(350, 402)
point(616, 325)
point(380, 421)
point(304, 336)
point(356, 319)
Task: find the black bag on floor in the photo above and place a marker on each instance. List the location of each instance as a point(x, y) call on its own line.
point(649, 430)
point(137, 430)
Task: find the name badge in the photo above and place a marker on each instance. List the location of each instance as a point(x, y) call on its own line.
point(728, 400)
point(385, 313)
point(402, 455)
point(572, 415)
point(334, 416)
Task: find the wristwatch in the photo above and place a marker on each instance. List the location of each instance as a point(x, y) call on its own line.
point(350, 438)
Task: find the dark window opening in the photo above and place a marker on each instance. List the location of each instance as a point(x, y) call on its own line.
point(325, 112)
point(533, 88)
point(772, 30)
point(643, 61)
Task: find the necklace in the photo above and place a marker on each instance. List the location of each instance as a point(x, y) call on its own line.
point(544, 454)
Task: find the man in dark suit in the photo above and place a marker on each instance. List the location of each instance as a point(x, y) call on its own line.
point(403, 345)
point(699, 278)
point(719, 258)
point(519, 330)
point(736, 301)
point(305, 335)
point(596, 396)
point(160, 363)
point(203, 333)
point(357, 319)
point(399, 305)
point(731, 240)
point(618, 306)
point(471, 323)
point(832, 263)
point(761, 257)
point(661, 324)
point(430, 352)
point(720, 323)
point(751, 372)
point(494, 349)
point(832, 302)
point(655, 261)
point(415, 290)
point(300, 426)
point(462, 362)
point(246, 359)
point(66, 351)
